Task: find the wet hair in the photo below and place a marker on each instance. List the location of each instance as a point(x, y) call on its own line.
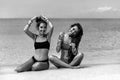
point(77, 38)
point(39, 20)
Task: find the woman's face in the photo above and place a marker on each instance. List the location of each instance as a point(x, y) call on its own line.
point(73, 31)
point(42, 28)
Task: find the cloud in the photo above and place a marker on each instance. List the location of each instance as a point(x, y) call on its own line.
point(102, 9)
point(106, 8)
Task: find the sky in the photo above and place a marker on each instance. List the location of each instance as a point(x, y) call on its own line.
point(60, 8)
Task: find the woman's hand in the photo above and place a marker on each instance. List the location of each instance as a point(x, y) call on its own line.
point(31, 20)
point(60, 37)
point(47, 20)
point(44, 18)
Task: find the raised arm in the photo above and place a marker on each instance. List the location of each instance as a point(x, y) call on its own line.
point(59, 42)
point(50, 31)
point(73, 48)
point(26, 29)
point(75, 45)
point(51, 27)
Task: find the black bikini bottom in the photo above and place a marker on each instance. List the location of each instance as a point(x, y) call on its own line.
point(39, 61)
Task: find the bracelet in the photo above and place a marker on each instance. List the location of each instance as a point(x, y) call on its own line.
point(50, 24)
point(29, 22)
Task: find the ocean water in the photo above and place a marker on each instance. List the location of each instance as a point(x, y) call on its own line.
point(99, 35)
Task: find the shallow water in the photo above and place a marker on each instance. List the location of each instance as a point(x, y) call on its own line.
point(100, 35)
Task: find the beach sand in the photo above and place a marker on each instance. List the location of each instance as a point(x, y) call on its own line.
point(102, 67)
point(86, 72)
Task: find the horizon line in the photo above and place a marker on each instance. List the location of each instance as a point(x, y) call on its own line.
point(61, 18)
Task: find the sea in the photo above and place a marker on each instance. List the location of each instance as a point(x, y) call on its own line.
point(100, 41)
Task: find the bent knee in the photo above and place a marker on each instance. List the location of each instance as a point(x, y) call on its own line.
point(52, 57)
point(38, 66)
point(19, 69)
point(81, 55)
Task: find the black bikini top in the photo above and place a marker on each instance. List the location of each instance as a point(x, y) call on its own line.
point(42, 45)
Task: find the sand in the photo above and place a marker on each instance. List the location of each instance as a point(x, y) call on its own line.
point(98, 65)
point(86, 72)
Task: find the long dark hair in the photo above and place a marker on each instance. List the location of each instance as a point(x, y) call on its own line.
point(77, 38)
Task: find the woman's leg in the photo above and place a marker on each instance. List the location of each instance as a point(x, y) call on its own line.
point(38, 66)
point(59, 63)
point(25, 66)
point(77, 60)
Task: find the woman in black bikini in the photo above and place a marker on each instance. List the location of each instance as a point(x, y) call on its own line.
point(41, 43)
point(68, 45)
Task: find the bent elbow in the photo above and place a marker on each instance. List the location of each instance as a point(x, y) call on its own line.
point(25, 30)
